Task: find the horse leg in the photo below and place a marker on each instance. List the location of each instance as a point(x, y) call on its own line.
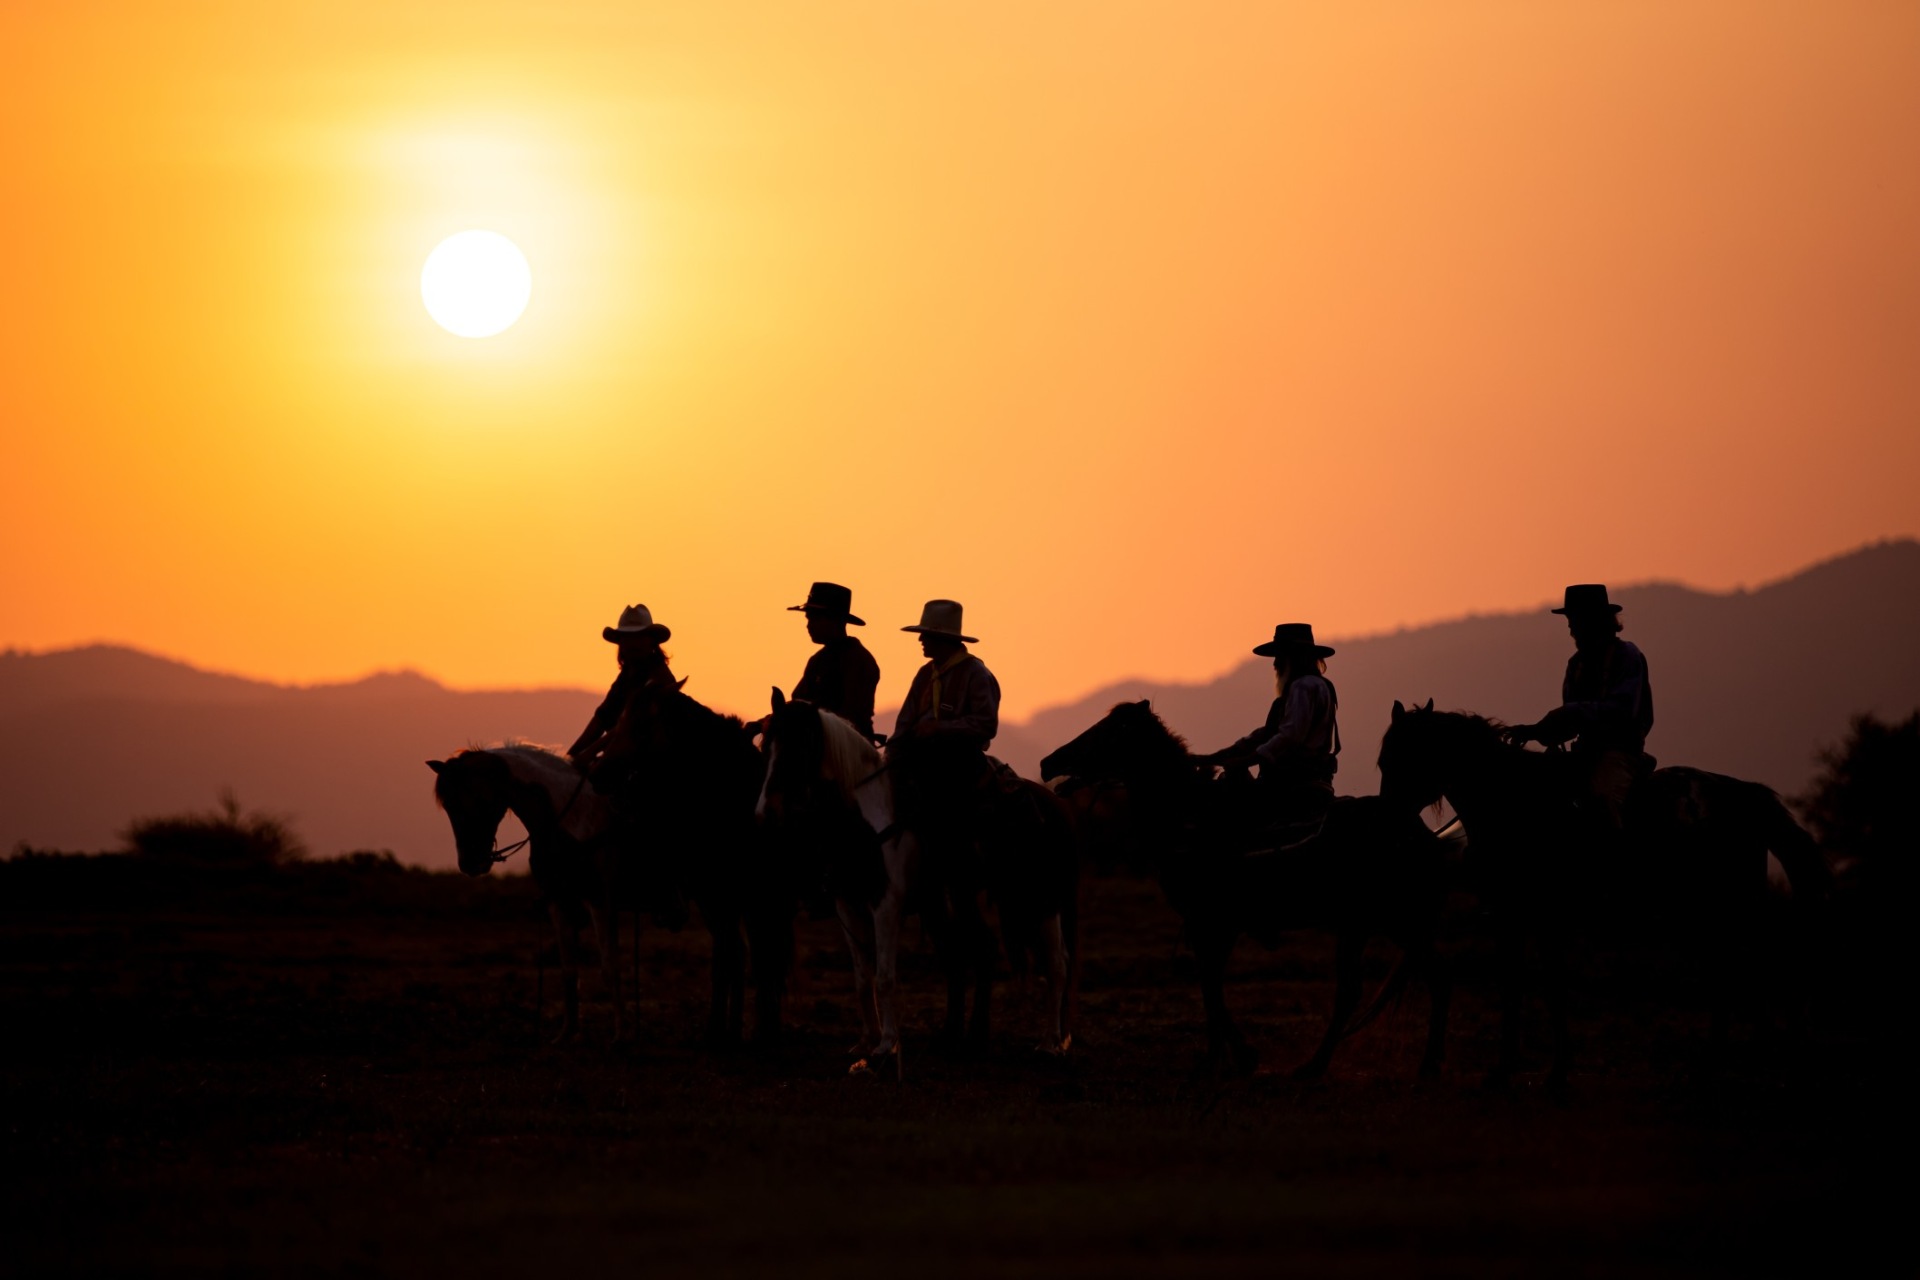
point(1226, 1047)
point(1349, 946)
point(565, 937)
point(950, 945)
point(1511, 961)
point(1440, 985)
point(606, 936)
point(1053, 941)
point(773, 957)
point(857, 924)
point(983, 954)
point(1554, 962)
point(886, 950)
point(729, 983)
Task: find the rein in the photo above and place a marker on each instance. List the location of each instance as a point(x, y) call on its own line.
point(501, 855)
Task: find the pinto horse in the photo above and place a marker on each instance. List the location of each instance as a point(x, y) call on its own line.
point(572, 852)
point(1373, 870)
point(1696, 847)
point(829, 798)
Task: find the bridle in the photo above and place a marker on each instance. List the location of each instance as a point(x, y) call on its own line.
point(500, 855)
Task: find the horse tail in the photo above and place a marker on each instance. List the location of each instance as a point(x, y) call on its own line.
point(1788, 841)
point(1389, 994)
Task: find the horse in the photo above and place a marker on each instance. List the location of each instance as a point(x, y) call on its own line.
point(827, 795)
point(987, 834)
point(690, 788)
point(1374, 869)
point(572, 850)
point(1535, 853)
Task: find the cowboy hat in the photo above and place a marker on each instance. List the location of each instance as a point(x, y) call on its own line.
point(1289, 637)
point(941, 618)
point(830, 600)
point(1587, 597)
point(636, 623)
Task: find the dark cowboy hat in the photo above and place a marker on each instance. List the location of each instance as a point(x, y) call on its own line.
point(636, 623)
point(941, 618)
point(1293, 637)
point(830, 600)
point(1587, 597)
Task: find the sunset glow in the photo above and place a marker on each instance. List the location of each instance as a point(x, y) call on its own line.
point(1368, 315)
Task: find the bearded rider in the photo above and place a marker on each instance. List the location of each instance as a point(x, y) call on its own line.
point(1606, 705)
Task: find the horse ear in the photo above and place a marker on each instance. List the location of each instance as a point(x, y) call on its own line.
point(1398, 711)
point(779, 698)
point(1429, 705)
point(438, 766)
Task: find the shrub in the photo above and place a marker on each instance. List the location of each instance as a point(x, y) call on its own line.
point(224, 837)
point(1865, 804)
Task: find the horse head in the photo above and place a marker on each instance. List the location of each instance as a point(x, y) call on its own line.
point(796, 748)
point(1120, 745)
point(472, 787)
point(1417, 755)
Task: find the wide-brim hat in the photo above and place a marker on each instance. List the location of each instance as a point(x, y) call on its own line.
point(1587, 598)
point(829, 600)
point(1293, 637)
point(636, 623)
point(941, 618)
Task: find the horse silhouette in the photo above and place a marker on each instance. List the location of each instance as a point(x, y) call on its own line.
point(1372, 870)
point(1697, 851)
point(828, 800)
point(574, 852)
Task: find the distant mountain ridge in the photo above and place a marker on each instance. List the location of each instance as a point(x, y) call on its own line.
point(1747, 682)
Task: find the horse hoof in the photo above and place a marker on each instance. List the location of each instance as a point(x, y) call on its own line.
point(877, 1065)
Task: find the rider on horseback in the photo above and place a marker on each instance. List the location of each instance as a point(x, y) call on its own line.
point(939, 744)
point(606, 750)
point(842, 676)
point(607, 741)
point(1606, 704)
point(1298, 747)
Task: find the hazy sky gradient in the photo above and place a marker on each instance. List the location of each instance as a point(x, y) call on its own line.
point(1137, 327)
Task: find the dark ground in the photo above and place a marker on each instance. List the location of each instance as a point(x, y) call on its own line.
point(328, 1071)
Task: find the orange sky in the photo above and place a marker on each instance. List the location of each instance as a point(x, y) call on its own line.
point(1137, 327)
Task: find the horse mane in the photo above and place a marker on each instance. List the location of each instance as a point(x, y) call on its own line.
point(1177, 741)
point(849, 758)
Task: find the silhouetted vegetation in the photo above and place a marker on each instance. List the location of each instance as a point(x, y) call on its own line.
point(223, 837)
point(1865, 805)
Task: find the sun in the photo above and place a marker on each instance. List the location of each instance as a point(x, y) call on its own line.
point(476, 283)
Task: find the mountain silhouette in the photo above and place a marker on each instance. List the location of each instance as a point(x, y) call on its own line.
point(1749, 682)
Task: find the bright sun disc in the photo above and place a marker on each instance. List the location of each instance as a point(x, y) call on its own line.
point(476, 283)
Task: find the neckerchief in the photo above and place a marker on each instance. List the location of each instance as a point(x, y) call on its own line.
point(940, 669)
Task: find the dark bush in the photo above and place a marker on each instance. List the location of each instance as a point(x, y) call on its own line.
point(224, 837)
point(1865, 805)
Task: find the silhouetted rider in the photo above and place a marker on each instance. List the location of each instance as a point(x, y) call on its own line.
point(606, 743)
point(1606, 703)
point(939, 744)
point(841, 676)
point(606, 750)
point(1298, 747)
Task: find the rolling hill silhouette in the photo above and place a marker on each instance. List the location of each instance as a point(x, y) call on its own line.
point(1749, 683)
